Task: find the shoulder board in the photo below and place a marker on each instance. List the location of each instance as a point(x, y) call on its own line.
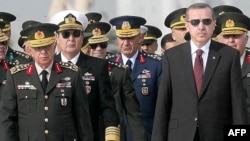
point(109, 56)
point(18, 68)
point(22, 54)
point(154, 56)
point(13, 63)
point(119, 65)
point(69, 66)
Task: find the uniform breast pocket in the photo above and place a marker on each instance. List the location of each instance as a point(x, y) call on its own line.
point(63, 101)
point(27, 101)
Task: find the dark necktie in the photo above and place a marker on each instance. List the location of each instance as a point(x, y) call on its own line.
point(129, 64)
point(198, 70)
point(44, 80)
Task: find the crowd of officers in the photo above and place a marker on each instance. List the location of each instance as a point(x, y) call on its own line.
point(65, 85)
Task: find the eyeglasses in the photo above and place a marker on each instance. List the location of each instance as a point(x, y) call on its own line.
point(196, 22)
point(65, 34)
point(4, 43)
point(102, 45)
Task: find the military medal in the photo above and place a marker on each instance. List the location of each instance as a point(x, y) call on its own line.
point(87, 78)
point(144, 90)
point(64, 101)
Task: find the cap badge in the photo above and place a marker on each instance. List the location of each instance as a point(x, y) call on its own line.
point(96, 32)
point(222, 12)
point(91, 21)
point(39, 35)
point(229, 23)
point(182, 18)
point(126, 25)
point(70, 19)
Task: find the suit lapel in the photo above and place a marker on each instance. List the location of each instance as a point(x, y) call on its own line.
point(186, 59)
point(54, 79)
point(212, 61)
point(138, 68)
point(82, 63)
point(35, 80)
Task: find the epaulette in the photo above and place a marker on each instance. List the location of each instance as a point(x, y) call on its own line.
point(18, 68)
point(69, 66)
point(13, 63)
point(109, 56)
point(119, 65)
point(22, 54)
point(151, 55)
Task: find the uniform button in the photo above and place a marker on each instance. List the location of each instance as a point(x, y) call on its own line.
point(46, 96)
point(63, 94)
point(46, 108)
point(196, 119)
point(46, 120)
point(46, 131)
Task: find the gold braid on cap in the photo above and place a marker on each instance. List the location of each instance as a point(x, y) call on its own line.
point(149, 38)
point(126, 30)
point(70, 23)
point(180, 23)
point(98, 37)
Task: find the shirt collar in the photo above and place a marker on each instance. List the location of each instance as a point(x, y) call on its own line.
point(39, 69)
point(132, 59)
point(204, 48)
point(73, 60)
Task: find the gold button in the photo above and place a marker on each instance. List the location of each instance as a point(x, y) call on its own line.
point(46, 131)
point(46, 96)
point(46, 108)
point(63, 94)
point(46, 120)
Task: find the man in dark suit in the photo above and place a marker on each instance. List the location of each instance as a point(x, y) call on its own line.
point(236, 37)
point(44, 100)
point(127, 104)
point(94, 71)
point(199, 93)
point(145, 68)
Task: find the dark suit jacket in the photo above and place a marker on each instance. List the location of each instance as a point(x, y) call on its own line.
point(179, 110)
point(246, 80)
point(127, 105)
point(27, 113)
point(100, 99)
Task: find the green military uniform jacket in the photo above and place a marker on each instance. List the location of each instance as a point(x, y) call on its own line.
point(27, 113)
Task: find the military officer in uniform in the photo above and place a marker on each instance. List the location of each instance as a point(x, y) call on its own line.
point(219, 10)
point(234, 33)
point(145, 68)
point(149, 43)
point(12, 57)
point(92, 18)
point(94, 72)
point(131, 121)
point(22, 39)
point(44, 100)
point(176, 22)
point(4, 67)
